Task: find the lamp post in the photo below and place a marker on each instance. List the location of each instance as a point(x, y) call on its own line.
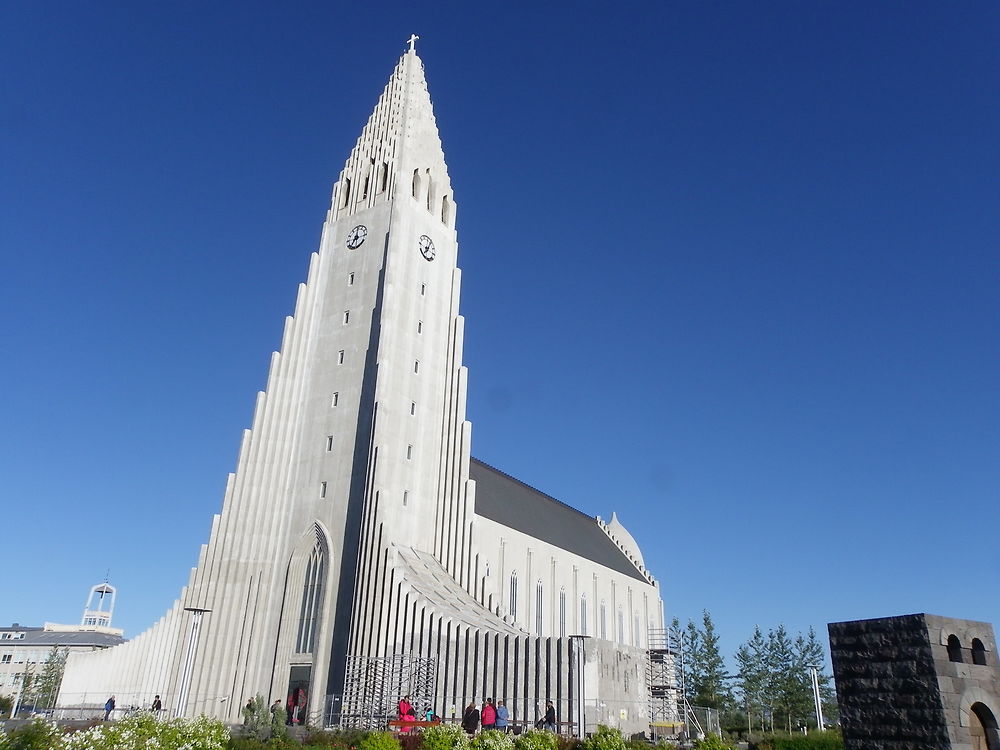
point(188, 668)
point(579, 663)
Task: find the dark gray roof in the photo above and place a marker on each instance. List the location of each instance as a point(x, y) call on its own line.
point(38, 637)
point(506, 500)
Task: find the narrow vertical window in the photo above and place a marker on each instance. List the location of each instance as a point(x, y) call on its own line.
point(329, 443)
point(539, 599)
point(420, 326)
point(350, 279)
point(406, 497)
point(621, 627)
point(562, 613)
point(423, 289)
point(638, 632)
point(346, 191)
point(513, 596)
point(347, 317)
point(416, 365)
point(340, 357)
point(409, 452)
point(413, 408)
point(322, 490)
point(335, 399)
point(583, 615)
point(604, 620)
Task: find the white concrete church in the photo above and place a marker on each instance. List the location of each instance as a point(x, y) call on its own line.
point(361, 553)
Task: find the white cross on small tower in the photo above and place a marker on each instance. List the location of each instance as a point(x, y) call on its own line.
point(412, 40)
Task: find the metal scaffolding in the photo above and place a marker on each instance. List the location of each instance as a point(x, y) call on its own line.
point(374, 685)
point(663, 668)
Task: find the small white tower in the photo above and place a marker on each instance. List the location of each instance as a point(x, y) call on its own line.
point(100, 604)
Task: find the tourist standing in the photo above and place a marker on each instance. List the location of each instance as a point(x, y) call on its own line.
point(503, 716)
point(489, 715)
point(470, 719)
point(109, 707)
point(157, 704)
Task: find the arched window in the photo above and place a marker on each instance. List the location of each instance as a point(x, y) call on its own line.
point(513, 596)
point(604, 620)
point(538, 607)
point(562, 613)
point(954, 649)
point(416, 182)
point(312, 598)
point(445, 211)
point(583, 615)
point(978, 652)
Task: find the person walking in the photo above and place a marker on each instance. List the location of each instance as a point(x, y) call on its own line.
point(470, 719)
point(109, 707)
point(489, 715)
point(550, 717)
point(503, 717)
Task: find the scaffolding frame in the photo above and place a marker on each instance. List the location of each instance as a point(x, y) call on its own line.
point(662, 672)
point(374, 685)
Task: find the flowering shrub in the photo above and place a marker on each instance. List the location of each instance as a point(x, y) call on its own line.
point(37, 734)
point(444, 737)
point(144, 732)
point(605, 738)
point(491, 740)
point(535, 739)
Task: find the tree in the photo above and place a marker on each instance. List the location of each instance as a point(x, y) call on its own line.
point(809, 652)
point(692, 667)
point(45, 687)
point(752, 677)
point(711, 689)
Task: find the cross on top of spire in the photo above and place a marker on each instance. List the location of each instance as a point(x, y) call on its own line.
point(412, 41)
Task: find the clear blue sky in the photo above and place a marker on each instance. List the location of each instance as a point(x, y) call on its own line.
point(730, 269)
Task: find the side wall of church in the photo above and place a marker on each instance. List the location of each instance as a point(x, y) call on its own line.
point(548, 591)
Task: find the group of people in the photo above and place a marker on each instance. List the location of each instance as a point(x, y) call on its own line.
point(493, 717)
point(109, 706)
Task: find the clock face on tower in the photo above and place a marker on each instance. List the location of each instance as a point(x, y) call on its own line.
point(426, 245)
point(356, 236)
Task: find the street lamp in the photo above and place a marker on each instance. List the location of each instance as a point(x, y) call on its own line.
point(188, 669)
point(581, 695)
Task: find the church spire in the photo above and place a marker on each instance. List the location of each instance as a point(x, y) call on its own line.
point(399, 150)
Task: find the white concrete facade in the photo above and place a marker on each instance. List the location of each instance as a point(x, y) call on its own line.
point(350, 525)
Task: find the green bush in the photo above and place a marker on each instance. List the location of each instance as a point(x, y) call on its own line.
point(338, 739)
point(445, 737)
point(829, 740)
point(37, 734)
point(605, 738)
point(535, 739)
point(713, 742)
point(379, 741)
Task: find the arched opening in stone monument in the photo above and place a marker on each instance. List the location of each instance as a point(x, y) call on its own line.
point(978, 652)
point(983, 728)
point(954, 649)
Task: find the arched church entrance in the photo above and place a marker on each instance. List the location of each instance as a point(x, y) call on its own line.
point(983, 728)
